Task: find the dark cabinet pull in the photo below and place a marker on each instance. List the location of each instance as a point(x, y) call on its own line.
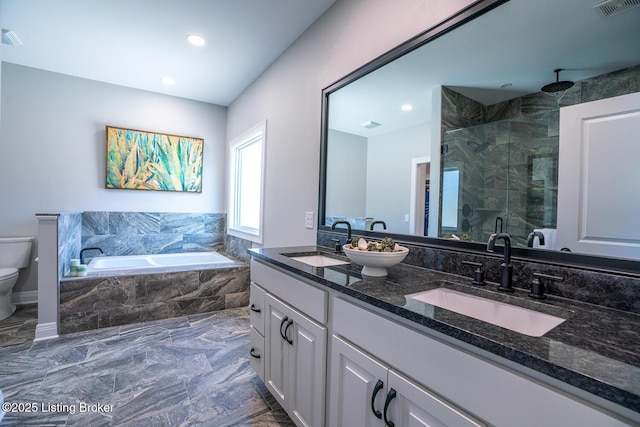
point(284, 320)
point(254, 309)
point(390, 396)
point(251, 352)
point(286, 337)
point(376, 389)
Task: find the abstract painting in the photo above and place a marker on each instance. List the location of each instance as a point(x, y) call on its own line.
point(140, 160)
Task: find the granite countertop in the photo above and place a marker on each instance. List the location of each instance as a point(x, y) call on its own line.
point(596, 349)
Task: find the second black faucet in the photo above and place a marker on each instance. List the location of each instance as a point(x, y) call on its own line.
point(506, 270)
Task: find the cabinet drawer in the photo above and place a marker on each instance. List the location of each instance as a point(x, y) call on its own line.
point(256, 352)
point(256, 308)
point(306, 298)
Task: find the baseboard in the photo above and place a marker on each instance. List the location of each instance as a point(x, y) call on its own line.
point(46, 331)
point(26, 297)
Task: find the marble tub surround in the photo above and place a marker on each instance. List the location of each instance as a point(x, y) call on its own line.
point(237, 247)
point(138, 233)
point(604, 288)
point(596, 349)
point(104, 300)
point(69, 240)
point(191, 370)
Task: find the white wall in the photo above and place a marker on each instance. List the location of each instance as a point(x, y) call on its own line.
point(288, 95)
point(52, 149)
point(389, 174)
point(347, 176)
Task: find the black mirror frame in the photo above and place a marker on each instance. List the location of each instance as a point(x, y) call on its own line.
point(478, 8)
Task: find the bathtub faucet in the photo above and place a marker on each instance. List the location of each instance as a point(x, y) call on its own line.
point(88, 249)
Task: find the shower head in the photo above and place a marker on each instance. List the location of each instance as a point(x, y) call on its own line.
point(557, 86)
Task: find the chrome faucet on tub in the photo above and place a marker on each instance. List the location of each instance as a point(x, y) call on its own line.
point(506, 269)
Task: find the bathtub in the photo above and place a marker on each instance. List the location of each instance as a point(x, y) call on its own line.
point(133, 262)
point(120, 290)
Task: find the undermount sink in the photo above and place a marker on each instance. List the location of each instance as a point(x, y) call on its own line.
point(319, 260)
point(518, 319)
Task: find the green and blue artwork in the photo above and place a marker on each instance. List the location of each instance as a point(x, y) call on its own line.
point(139, 160)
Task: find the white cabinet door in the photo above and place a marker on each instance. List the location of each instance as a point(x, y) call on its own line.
point(598, 176)
point(410, 405)
point(295, 362)
point(307, 368)
point(357, 387)
point(276, 369)
point(363, 389)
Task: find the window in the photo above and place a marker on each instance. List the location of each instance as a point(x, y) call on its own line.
point(450, 192)
point(246, 178)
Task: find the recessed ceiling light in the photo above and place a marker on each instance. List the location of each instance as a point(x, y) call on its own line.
point(10, 38)
point(168, 80)
point(370, 124)
point(195, 40)
point(407, 107)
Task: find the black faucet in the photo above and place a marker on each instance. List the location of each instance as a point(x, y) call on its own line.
point(506, 269)
point(384, 226)
point(533, 235)
point(88, 249)
point(348, 224)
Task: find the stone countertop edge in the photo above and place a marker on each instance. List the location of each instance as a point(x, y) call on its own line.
point(579, 340)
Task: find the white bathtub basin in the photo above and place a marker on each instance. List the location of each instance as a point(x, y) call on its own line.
point(518, 319)
point(132, 262)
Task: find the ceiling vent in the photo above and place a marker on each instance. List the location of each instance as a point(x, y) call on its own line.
point(610, 7)
point(11, 38)
point(369, 124)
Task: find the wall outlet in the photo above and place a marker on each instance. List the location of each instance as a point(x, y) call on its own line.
point(308, 220)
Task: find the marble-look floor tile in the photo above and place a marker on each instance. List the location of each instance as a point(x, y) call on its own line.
point(186, 371)
point(20, 327)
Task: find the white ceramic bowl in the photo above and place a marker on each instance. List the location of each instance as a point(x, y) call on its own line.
point(375, 263)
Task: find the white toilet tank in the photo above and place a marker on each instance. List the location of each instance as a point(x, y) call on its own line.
point(15, 251)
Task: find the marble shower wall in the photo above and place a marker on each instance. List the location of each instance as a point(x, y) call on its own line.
point(140, 233)
point(99, 302)
point(507, 154)
point(69, 240)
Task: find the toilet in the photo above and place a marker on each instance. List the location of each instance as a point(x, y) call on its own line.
point(14, 254)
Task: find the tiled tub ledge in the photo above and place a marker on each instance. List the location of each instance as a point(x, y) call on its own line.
point(110, 299)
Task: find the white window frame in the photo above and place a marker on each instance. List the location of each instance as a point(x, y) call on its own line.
point(257, 133)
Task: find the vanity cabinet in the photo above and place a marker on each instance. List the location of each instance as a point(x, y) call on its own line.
point(435, 376)
point(295, 343)
point(366, 392)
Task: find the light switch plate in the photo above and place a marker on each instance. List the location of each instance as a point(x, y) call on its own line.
point(308, 220)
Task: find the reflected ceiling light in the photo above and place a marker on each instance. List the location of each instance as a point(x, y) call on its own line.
point(369, 124)
point(407, 107)
point(195, 39)
point(10, 38)
point(168, 80)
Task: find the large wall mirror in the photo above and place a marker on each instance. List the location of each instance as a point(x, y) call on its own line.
point(451, 136)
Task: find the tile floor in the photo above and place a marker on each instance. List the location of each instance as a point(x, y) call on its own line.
point(185, 371)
